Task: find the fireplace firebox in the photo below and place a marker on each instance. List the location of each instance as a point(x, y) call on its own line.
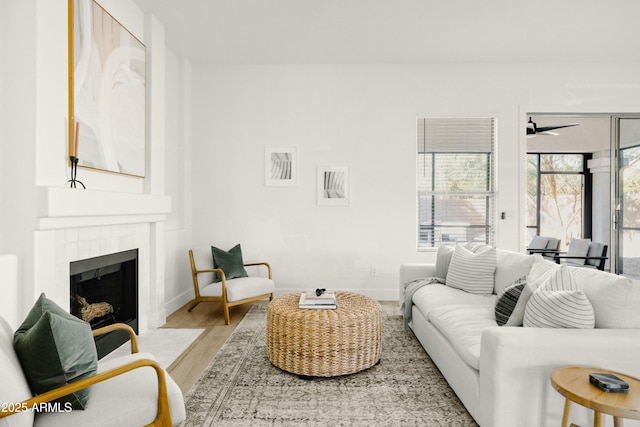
point(103, 291)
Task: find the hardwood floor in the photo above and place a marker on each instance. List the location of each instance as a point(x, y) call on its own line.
point(190, 365)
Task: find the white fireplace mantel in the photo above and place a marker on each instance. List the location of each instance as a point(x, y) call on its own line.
point(75, 224)
point(73, 207)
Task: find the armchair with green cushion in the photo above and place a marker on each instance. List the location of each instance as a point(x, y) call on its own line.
point(220, 276)
point(132, 390)
point(584, 253)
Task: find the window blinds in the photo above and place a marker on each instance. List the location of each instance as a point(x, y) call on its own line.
point(455, 180)
point(466, 135)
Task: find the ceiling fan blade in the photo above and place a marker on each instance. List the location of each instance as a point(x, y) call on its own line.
point(533, 129)
point(548, 128)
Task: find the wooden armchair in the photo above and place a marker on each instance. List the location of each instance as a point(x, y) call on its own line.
point(123, 392)
point(229, 292)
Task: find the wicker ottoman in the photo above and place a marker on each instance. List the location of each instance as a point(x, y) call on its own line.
point(324, 343)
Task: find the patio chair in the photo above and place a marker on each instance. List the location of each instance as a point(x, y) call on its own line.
point(548, 247)
point(584, 253)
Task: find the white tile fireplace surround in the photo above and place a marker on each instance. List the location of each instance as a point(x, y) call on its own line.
point(75, 224)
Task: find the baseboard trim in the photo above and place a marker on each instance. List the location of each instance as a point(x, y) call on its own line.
point(174, 304)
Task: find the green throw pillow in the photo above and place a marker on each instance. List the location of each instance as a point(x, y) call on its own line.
point(56, 348)
point(229, 261)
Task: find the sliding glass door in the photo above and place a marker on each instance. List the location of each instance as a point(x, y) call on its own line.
point(627, 209)
point(555, 196)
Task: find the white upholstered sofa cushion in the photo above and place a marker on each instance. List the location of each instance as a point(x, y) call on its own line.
point(434, 296)
point(239, 288)
point(614, 298)
point(462, 325)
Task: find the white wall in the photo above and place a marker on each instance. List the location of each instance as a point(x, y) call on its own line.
point(3, 157)
point(362, 116)
point(178, 288)
point(20, 124)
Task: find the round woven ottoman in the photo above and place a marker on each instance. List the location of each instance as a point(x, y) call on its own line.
point(324, 342)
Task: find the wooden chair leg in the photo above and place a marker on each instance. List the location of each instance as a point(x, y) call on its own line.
point(225, 307)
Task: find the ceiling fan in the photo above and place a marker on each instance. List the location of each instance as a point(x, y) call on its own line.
point(533, 130)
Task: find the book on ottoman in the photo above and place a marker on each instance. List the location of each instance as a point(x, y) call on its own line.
point(318, 299)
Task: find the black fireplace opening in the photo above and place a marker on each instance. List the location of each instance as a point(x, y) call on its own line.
point(103, 291)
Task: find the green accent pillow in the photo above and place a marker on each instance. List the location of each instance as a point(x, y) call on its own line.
point(229, 261)
point(56, 348)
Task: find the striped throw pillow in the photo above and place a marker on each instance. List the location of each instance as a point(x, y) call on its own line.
point(508, 299)
point(558, 303)
point(472, 272)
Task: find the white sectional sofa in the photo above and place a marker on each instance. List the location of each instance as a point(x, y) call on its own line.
point(501, 373)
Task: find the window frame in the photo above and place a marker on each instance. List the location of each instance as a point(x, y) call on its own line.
point(428, 152)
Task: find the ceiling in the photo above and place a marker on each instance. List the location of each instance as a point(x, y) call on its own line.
point(398, 31)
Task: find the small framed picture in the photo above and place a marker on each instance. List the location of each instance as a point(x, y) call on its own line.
point(280, 167)
point(333, 185)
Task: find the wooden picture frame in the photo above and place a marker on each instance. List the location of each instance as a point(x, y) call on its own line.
point(107, 91)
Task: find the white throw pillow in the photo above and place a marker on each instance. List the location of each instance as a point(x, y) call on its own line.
point(472, 272)
point(476, 247)
point(558, 303)
point(443, 259)
point(540, 271)
point(511, 266)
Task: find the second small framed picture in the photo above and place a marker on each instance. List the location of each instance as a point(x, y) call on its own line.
point(333, 185)
point(281, 167)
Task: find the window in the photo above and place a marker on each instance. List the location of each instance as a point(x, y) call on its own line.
point(556, 196)
point(455, 180)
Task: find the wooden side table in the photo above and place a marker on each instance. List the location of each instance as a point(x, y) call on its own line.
point(573, 383)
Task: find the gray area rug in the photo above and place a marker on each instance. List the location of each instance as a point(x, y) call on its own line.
point(242, 388)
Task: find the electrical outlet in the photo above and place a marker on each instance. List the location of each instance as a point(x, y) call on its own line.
point(372, 272)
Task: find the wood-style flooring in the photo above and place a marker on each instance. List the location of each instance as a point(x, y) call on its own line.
point(189, 366)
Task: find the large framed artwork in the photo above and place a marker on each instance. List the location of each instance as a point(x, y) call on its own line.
point(333, 185)
point(107, 83)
